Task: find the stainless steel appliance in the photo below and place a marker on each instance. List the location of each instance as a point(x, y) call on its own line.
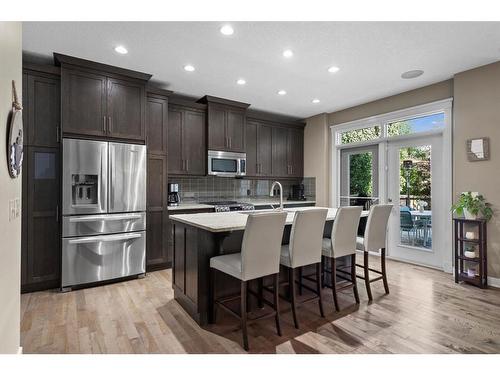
point(228, 206)
point(226, 164)
point(173, 198)
point(104, 211)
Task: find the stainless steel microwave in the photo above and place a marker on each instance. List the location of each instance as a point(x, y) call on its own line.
point(227, 164)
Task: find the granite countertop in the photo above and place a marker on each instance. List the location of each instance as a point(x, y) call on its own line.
point(254, 201)
point(233, 221)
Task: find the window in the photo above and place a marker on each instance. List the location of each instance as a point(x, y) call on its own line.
point(360, 135)
point(416, 125)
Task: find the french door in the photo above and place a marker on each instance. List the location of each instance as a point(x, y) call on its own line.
point(415, 185)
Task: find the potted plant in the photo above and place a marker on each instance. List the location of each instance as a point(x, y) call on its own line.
point(472, 205)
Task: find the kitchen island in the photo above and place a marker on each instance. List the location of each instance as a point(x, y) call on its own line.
point(199, 237)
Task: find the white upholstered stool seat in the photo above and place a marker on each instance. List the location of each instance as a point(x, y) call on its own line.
point(304, 249)
point(342, 244)
point(360, 243)
point(374, 239)
point(259, 257)
point(230, 264)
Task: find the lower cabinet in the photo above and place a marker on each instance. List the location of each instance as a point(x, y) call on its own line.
point(41, 238)
point(158, 255)
point(170, 227)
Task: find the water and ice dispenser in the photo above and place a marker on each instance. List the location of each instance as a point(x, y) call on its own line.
point(84, 189)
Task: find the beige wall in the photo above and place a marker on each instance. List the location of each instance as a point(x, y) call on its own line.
point(477, 114)
point(10, 231)
point(316, 156)
point(427, 94)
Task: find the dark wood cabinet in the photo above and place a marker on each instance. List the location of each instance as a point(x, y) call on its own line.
point(42, 103)
point(226, 124)
point(295, 152)
point(41, 265)
point(102, 101)
point(158, 255)
point(280, 166)
point(83, 102)
point(259, 148)
point(126, 109)
point(157, 251)
point(156, 124)
point(186, 141)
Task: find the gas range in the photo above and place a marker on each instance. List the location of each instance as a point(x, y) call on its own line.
point(228, 206)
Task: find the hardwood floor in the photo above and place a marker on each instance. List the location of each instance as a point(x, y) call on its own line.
point(426, 312)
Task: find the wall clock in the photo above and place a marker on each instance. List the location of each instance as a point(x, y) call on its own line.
point(15, 136)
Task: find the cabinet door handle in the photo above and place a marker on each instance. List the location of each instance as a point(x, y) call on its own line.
point(187, 165)
point(58, 138)
point(57, 213)
point(110, 124)
point(104, 124)
point(230, 141)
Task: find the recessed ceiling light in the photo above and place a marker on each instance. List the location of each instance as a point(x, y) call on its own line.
point(282, 92)
point(412, 74)
point(121, 50)
point(189, 68)
point(227, 30)
point(241, 81)
point(315, 101)
point(333, 69)
point(287, 53)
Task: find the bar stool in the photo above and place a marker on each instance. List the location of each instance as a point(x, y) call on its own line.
point(304, 249)
point(374, 240)
point(341, 244)
point(259, 257)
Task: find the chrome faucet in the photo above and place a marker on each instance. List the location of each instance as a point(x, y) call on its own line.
point(271, 193)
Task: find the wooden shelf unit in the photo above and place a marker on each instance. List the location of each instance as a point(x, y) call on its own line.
point(478, 226)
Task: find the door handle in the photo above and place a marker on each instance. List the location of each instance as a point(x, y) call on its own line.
point(104, 124)
point(104, 218)
point(107, 238)
point(229, 142)
point(110, 124)
point(187, 165)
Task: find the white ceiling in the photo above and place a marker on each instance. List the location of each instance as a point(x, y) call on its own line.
point(371, 56)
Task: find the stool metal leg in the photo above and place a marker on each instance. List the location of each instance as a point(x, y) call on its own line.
point(384, 272)
point(244, 314)
point(318, 288)
point(333, 277)
point(276, 302)
point(354, 278)
point(292, 296)
point(367, 275)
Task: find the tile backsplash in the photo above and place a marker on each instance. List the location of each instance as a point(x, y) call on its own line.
point(208, 188)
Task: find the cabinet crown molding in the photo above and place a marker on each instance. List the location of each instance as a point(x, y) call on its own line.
point(70, 60)
point(207, 99)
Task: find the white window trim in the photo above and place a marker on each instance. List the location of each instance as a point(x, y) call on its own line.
point(383, 120)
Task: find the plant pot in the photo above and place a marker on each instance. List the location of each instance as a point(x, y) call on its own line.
point(469, 215)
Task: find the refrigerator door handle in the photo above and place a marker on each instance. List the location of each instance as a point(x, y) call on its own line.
point(111, 177)
point(104, 218)
point(108, 238)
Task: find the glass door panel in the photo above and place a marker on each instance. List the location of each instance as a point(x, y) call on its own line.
point(359, 177)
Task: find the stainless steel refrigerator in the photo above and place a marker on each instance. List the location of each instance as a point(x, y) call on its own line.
point(104, 211)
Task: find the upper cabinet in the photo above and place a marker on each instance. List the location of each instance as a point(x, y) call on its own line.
point(102, 101)
point(226, 124)
point(42, 103)
point(274, 149)
point(157, 123)
point(187, 152)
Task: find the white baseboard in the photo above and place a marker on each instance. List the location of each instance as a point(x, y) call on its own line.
point(494, 281)
point(20, 350)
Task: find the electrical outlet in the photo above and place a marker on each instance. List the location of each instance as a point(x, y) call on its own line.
point(18, 207)
point(12, 209)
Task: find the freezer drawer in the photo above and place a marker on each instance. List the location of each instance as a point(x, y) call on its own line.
point(127, 177)
point(99, 258)
point(84, 177)
point(89, 225)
